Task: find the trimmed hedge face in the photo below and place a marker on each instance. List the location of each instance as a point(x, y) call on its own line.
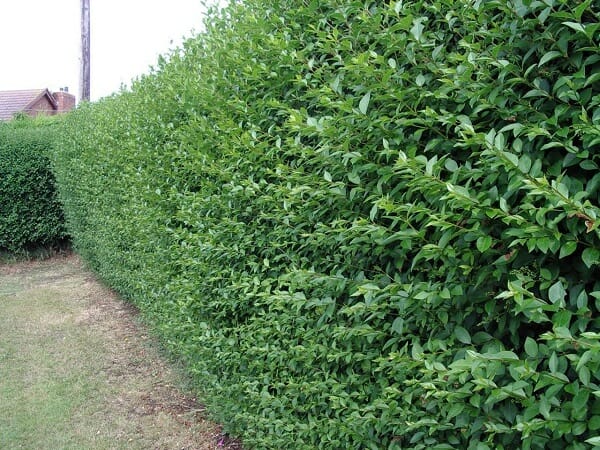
point(30, 214)
point(364, 225)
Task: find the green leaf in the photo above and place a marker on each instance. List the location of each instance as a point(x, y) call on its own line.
point(398, 325)
point(335, 85)
point(459, 190)
point(583, 360)
point(581, 9)
point(590, 256)
point(430, 165)
point(557, 292)
point(524, 164)
point(562, 333)
point(544, 14)
point(591, 334)
point(503, 205)
point(578, 428)
point(594, 440)
point(567, 248)
point(451, 165)
point(500, 144)
point(483, 243)
point(592, 79)
point(549, 57)
point(514, 159)
point(418, 27)
point(582, 300)
point(544, 407)
point(553, 363)
point(535, 93)
point(531, 347)
point(417, 351)
point(462, 335)
point(363, 105)
point(373, 211)
point(354, 177)
point(503, 355)
point(580, 400)
point(455, 410)
point(584, 375)
point(575, 26)
point(594, 183)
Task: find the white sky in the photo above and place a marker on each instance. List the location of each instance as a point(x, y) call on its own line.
point(40, 41)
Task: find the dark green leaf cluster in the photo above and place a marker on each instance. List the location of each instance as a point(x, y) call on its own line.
point(364, 224)
point(30, 214)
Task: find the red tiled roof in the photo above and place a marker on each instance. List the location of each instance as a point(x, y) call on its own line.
point(12, 102)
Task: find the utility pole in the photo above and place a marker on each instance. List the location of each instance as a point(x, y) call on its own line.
point(84, 74)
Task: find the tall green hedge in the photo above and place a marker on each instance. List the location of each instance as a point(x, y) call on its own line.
point(30, 213)
point(364, 225)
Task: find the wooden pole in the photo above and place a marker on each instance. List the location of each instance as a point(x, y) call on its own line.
point(84, 75)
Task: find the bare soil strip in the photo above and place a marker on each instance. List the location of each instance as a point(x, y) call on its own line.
point(79, 371)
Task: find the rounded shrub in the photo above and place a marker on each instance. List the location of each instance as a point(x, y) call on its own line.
point(30, 213)
point(363, 225)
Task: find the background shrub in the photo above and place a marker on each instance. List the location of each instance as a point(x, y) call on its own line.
point(363, 225)
point(30, 213)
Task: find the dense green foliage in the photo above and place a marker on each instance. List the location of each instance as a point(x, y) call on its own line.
point(364, 225)
point(30, 214)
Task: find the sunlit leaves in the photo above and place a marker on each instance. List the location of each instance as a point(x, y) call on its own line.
point(363, 105)
point(363, 225)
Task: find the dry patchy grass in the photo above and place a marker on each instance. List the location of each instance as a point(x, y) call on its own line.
point(79, 371)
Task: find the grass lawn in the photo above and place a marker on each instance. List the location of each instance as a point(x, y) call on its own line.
point(78, 371)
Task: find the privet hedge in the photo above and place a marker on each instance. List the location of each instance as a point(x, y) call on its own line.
point(364, 225)
point(30, 213)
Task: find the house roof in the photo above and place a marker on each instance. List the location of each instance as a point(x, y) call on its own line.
point(12, 102)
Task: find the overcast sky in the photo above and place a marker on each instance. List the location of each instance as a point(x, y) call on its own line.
point(40, 40)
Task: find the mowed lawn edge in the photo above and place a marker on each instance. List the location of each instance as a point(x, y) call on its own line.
point(79, 370)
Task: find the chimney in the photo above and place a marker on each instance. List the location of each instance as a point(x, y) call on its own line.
point(65, 101)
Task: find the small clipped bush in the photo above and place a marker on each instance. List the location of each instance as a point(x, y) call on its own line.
point(363, 225)
point(30, 213)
